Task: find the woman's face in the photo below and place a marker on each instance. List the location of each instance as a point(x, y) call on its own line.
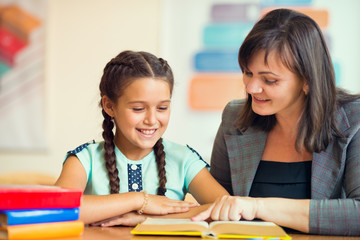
point(274, 89)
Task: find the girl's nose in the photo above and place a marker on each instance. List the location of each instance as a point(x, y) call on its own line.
point(150, 118)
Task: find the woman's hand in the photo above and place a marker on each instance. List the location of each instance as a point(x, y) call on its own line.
point(128, 219)
point(161, 205)
point(229, 208)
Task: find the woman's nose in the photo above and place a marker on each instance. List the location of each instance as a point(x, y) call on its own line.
point(253, 86)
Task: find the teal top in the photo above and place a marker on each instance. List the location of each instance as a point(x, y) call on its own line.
point(182, 165)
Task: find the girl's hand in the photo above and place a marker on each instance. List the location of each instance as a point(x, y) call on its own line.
point(161, 205)
point(229, 208)
point(128, 219)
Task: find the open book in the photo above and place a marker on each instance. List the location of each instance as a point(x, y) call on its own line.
point(216, 229)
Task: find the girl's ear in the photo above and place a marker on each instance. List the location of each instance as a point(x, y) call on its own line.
point(108, 106)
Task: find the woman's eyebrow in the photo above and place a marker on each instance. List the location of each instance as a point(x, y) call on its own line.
point(268, 72)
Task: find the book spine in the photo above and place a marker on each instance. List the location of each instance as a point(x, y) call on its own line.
point(46, 230)
point(39, 200)
point(16, 217)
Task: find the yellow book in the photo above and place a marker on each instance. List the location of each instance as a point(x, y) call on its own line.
point(216, 229)
point(42, 230)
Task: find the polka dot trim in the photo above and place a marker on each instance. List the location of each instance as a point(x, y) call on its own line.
point(80, 148)
point(134, 178)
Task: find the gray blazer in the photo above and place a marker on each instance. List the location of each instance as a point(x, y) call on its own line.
point(335, 180)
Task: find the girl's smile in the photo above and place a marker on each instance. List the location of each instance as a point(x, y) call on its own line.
point(147, 132)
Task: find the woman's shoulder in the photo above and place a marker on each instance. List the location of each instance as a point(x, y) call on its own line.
point(230, 114)
point(349, 114)
point(234, 106)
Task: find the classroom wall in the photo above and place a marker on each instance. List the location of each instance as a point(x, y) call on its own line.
point(81, 37)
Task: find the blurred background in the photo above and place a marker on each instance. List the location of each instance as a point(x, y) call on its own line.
point(52, 54)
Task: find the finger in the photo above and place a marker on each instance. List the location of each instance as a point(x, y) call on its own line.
point(184, 204)
point(224, 212)
point(172, 209)
point(178, 209)
point(234, 213)
point(203, 215)
point(215, 214)
point(99, 223)
point(112, 223)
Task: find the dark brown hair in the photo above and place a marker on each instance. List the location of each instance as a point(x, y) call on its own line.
point(298, 41)
point(119, 73)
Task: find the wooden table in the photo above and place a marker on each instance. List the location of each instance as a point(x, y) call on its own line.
point(123, 233)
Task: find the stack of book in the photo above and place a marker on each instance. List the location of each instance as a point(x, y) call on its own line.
point(38, 212)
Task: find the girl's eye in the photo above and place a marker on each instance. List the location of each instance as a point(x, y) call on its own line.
point(163, 108)
point(138, 109)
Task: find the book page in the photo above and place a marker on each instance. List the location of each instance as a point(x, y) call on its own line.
point(251, 228)
point(172, 225)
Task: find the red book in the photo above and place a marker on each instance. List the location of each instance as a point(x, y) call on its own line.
point(18, 21)
point(10, 45)
point(38, 197)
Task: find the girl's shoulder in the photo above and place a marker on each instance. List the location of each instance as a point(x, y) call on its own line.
point(179, 151)
point(90, 147)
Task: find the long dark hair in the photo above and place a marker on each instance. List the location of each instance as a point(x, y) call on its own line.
point(299, 42)
point(119, 73)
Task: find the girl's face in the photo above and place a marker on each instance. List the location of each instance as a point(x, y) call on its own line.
point(274, 89)
point(141, 116)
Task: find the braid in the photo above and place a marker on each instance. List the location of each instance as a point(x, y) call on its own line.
point(164, 64)
point(160, 161)
point(110, 158)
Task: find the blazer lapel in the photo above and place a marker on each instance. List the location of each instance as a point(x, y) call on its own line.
point(328, 165)
point(245, 152)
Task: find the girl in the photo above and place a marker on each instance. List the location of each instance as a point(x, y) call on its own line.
point(291, 149)
point(135, 169)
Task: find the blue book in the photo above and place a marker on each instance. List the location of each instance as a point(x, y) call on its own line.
point(286, 2)
point(217, 61)
point(225, 35)
point(17, 217)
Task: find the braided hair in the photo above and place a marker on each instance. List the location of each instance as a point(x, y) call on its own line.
point(119, 73)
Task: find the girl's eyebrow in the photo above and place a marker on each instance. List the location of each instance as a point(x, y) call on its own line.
point(163, 101)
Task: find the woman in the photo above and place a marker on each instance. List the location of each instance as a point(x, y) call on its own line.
point(291, 149)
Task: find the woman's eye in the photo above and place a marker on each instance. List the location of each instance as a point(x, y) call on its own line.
point(247, 73)
point(270, 82)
